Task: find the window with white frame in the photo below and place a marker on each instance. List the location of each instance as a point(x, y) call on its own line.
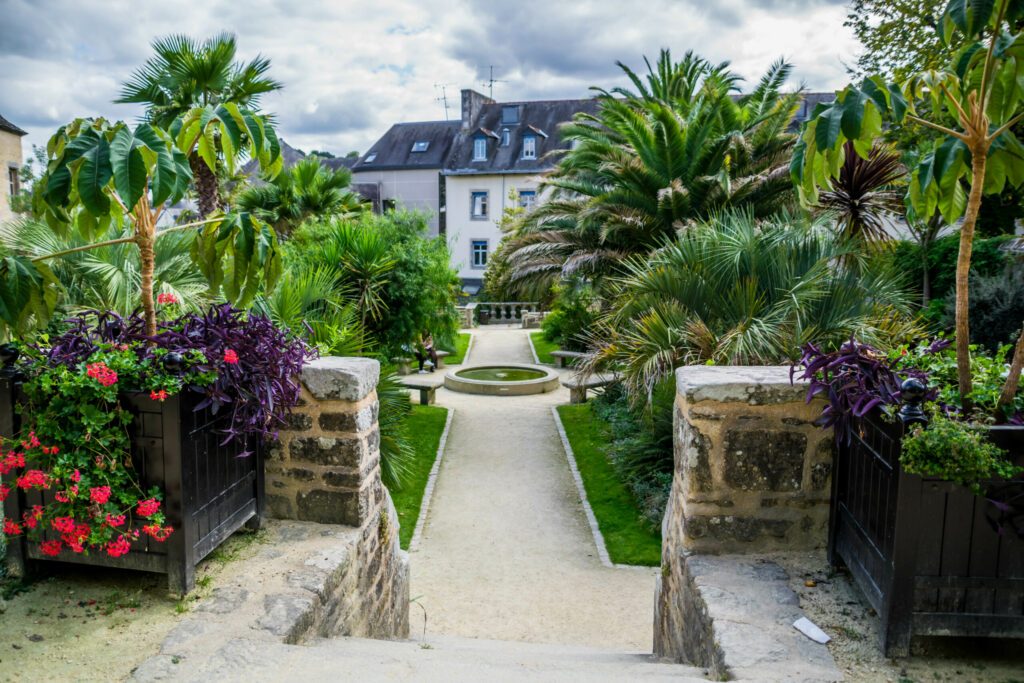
point(527, 198)
point(478, 205)
point(420, 145)
point(478, 253)
point(506, 137)
point(529, 146)
point(480, 148)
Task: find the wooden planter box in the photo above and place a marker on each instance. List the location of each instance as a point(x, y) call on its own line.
point(923, 550)
point(209, 492)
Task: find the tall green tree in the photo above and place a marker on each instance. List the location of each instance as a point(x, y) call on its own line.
point(680, 147)
point(202, 85)
point(981, 90)
point(306, 190)
point(899, 36)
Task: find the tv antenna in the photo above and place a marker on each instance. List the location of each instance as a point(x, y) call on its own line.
point(491, 81)
point(443, 97)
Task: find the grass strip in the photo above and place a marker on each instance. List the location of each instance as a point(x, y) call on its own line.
point(425, 426)
point(628, 537)
point(459, 352)
point(543, 347)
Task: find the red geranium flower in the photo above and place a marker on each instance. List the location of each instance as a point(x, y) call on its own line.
point(114, 521)
point(101, 373)
point(4, 492)
point(11, 529)
point(76, 476)
point(51, 548)
point(119, 547)
point(158, 395)
point(148, 507)
point(99, 494)
point(230, 356)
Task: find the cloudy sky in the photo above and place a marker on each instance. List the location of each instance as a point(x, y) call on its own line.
point(351, 69)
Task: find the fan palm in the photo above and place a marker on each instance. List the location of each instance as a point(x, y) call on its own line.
point(307, 189)
point(184, 74)
point(650, 163)
point(108, 278)
point(734, 291)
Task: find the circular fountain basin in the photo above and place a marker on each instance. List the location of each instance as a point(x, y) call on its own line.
point(508, 379)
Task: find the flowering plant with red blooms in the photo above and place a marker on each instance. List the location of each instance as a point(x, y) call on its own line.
point(166, 299)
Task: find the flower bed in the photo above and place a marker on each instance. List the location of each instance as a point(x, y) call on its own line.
point(142, 452)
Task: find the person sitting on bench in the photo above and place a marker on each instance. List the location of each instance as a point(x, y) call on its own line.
point(424, 350)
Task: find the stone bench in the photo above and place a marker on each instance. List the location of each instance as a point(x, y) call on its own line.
point(533, 319)
point(405, 365)
point(426, 387)
point(565, 356)
point(578, 385)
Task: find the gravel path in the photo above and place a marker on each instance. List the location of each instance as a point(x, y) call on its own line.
point(506, 553)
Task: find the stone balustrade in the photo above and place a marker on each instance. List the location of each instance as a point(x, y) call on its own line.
point(505, 311)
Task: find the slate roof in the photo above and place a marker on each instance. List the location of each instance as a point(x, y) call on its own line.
point(807, 105)
point(539, 118)
point(9, 127)
point(394, 149)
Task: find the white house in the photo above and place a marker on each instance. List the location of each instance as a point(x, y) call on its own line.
point(10, 165)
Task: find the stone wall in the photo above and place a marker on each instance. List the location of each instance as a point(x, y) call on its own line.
point(326, 469)
point(752, 473)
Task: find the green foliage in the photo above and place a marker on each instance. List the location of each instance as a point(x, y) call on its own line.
point(543, 348)
point(572, 317)
point(399, 278)
point(396, 448)
point(989, 370)
point(629, 537)
point(238, 256)
point(650, 162)
point(640, 446)
point(734, 291)
point(955, 451)
point(987, 260)
point(997, 307)
point(458, 349)
point(425, 426)
point(307, 190)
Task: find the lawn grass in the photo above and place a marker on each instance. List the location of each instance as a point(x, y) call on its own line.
point(628, 537)
point(425, 426)
point(459, 352)
point(543, 347)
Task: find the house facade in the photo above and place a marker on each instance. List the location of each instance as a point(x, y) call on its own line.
point(10, 166)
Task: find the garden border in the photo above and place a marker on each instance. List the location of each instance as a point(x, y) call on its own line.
point(595, 529)
point(533, 350)
point(469, 349)
point(428, 490)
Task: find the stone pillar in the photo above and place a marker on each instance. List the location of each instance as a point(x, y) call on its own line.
point(326, 469)
point(752, 473)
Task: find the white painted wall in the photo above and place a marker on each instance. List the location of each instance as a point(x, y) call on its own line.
point(10, 157)
point(462, 229)
point(411, 189)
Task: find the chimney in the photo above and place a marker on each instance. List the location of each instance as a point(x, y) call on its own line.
point(472, 102)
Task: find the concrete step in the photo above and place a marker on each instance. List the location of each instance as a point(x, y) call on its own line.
point(439, 658)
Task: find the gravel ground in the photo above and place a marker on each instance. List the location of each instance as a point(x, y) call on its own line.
point(507, 553)
point(834, 603)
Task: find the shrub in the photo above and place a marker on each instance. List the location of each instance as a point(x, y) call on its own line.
point(997, 307)
point(954, 451)
point(572, 317)
point(987, 259)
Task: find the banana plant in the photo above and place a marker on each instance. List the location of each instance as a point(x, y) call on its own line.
point(973, 106)
point(102, 175)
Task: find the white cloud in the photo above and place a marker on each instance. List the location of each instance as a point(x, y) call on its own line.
point(352, 69)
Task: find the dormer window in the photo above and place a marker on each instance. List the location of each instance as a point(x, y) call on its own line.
point(506, 137)
point(510, 114)
point(529, 146)
point(420, 145)
point(480, 148)
point(370, 157)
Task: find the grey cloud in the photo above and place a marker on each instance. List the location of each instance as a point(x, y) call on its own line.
point(345, 112)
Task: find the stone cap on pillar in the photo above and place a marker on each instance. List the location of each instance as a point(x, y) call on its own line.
point(754, 384)
point(332, 378)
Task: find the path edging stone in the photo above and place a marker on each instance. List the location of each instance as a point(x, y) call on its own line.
point(428, 492)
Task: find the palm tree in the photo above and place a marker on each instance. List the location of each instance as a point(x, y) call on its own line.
point(865, 193)
point(185, 74)
point(736, 291)
point(308, 189)
point(650, 163)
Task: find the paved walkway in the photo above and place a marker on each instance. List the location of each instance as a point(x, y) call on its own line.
point(506, 553)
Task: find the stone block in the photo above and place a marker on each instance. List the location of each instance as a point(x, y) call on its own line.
point(697, 460)
point(280, 506)
point(298, 422)
point(756, 385)
point(725, 530)
point(821, 476)
point(358, 421)
point(325, 450)
point(341, 379)
point(764, 460)
point(333, 507)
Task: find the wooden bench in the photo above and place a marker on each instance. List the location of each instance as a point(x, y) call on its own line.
point(565, 356)
point(426, 387)
point(578, 385)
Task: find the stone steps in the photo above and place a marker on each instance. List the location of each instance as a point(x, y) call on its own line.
point(441, 659)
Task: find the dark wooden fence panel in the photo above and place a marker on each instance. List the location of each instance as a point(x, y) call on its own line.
point(923, 551)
